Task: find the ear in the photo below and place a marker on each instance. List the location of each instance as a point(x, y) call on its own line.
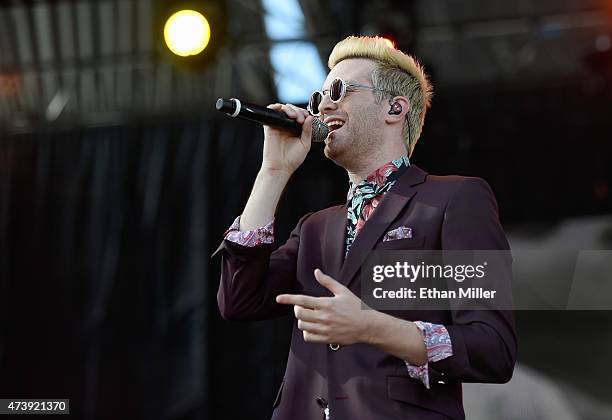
point(397, 118)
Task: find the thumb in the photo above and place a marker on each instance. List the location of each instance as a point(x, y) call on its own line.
point(328, 282)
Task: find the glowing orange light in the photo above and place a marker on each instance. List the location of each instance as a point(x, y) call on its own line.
point(9, 84)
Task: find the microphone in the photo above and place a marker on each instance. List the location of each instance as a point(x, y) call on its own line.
point(266, 116)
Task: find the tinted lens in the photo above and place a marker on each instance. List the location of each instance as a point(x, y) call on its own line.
point(336, 90)
point(314, 102)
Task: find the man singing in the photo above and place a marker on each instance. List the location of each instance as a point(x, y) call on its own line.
point(347, 363)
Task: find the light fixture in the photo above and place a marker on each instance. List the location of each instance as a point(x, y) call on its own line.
point(187, 33)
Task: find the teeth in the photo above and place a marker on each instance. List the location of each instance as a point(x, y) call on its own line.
point(340, 123)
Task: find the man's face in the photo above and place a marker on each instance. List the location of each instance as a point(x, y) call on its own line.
point(363, 118)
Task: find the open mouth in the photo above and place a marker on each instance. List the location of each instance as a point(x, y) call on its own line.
point(335, 125)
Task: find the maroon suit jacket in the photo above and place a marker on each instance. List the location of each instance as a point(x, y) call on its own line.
point(361, 381)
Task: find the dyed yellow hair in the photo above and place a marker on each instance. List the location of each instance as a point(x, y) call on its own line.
point(394, 72)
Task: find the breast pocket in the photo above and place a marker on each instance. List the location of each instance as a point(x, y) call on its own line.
point(417, 242)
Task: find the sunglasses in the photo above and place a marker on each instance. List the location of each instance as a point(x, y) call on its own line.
point(337, 90)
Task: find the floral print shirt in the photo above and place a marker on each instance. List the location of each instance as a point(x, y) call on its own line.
point(363, 199)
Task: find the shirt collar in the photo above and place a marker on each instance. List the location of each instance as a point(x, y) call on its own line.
point(379, 176)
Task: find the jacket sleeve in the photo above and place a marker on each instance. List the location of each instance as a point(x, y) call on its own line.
point(252, 277)
point(484, 341)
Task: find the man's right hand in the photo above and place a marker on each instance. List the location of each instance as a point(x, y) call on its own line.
point(283, 151)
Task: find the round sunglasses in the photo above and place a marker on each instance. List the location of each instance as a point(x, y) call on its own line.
point(337, 90)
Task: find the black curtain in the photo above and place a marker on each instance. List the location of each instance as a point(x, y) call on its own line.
point(103, 269)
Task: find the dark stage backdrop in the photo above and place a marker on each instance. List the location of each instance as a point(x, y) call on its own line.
point(103, 269)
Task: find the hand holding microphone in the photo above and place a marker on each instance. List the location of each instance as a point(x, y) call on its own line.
point(270, 116)
point(288, 131)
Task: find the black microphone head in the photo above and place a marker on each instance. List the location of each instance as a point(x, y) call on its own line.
point(320, 130)
point(225, 105)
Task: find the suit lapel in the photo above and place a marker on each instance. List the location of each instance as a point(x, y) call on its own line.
point(387, 211)
point(335, 231)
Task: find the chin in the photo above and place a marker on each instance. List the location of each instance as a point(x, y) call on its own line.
point(331, 149)
point(336, 152)
point(329, 153)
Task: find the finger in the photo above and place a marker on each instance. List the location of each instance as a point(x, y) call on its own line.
point(328, 282)
point(302, 300)
point(313, 337)
point(298, 110)
point(306, 137)
point(294, 112)
point(312, 327)
point(276, 107)
point(305, 314)
point(289, 110)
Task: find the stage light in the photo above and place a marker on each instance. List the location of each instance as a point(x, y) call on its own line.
point(187, 33)
point(10, 84)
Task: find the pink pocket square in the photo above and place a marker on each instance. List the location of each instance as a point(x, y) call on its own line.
point(402, 232)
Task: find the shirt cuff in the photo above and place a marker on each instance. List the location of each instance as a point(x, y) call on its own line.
point(250, 238)
point(438, 344)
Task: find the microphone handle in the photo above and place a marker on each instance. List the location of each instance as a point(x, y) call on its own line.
point(259, 114)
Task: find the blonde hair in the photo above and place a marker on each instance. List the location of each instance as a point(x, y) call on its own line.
point(395, 74)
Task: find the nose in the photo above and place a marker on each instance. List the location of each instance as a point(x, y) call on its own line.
point(327, 104)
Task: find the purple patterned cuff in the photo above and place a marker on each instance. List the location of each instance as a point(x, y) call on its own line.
point(439, 346)
point(259, 236)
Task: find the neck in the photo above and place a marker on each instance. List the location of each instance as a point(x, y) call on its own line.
point(363, 168)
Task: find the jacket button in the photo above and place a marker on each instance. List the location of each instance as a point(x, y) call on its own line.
point(334, 347)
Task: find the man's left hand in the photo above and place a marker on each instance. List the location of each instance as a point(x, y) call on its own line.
point(340, 319)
